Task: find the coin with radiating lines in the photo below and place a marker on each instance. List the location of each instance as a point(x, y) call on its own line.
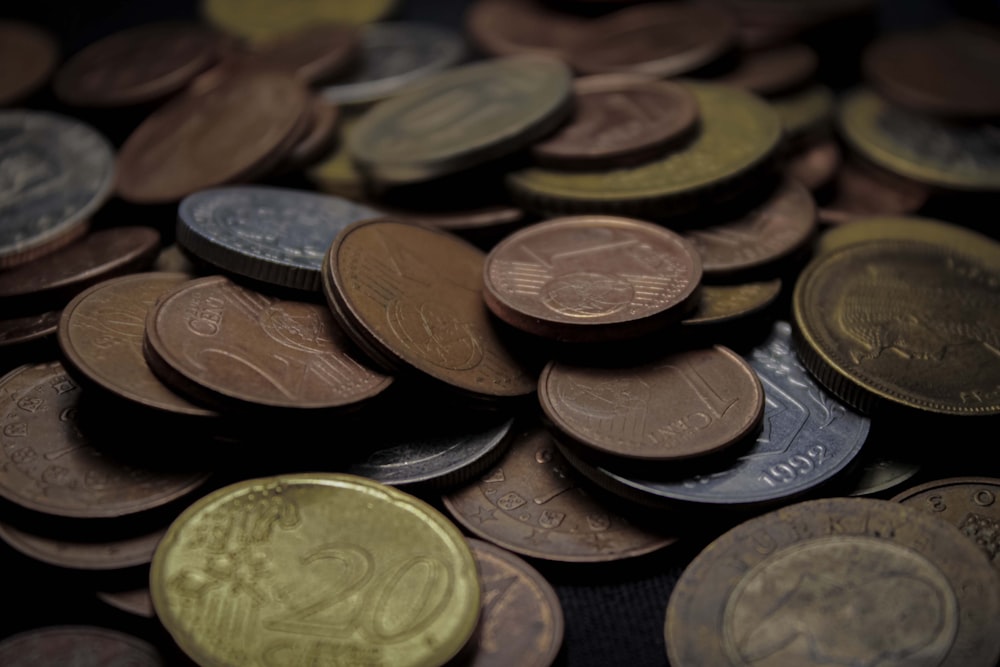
point(28, 54)
point(79, 646)
point(412, 298)
point(848, 581)
point(591, 278)
point(262, 19)
point(313, 568)
point(96, 553)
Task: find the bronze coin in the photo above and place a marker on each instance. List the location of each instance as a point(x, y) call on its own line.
point(235, 347)
point(773, 71)
point(28, 55)
point(77, 645)
point(138, 65)
point(313, 54)
point(137, 602)
point(49, 466)
point(515, 27)
point(771, 232)
point(968, 503)
point(618, 120)
point(863, 190)
point(591, 278)
point(659, 39)
point(725, 303)
point(683, 405)
point(318, 140)
point(530, 504)
point(521, 622)
point(221, 135)
point(28, 328)
point(412, 298)
point(106, 554)
point(814, 166)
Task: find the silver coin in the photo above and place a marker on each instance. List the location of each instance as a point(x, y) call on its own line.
point(274, 235)
point(55, 172)
point(394, 56)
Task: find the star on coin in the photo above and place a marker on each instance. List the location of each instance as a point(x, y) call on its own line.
point(484, 514)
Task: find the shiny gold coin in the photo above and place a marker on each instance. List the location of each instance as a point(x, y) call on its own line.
point(739, 133)
point(263, 19)
point(805, 113)
point(903, 323)
point(315, 569)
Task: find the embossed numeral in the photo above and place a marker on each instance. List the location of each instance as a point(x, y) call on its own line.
point(794, 467)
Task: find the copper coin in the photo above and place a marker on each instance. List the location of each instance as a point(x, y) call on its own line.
point(725, 303)
point(137, 65)
point(101, 333)
point(514, 27)
point(591, 278)
point(412, 298)
point(79, 646)
point(968, 503)
point(773, 231)
point(109, 554)
point(233, 346)
point(313, 54)
point(683, 405)
point(318, 141)
point(28, 328)
point(618, 120)
point(773, 71)
point(49, 466)
point(137, 602)
point(862, 190)
point(521, 622)
point(814, 166)
point(28, 55)
point(50, 281)
point(201, 140)
point(531, 504)
point(660, 39)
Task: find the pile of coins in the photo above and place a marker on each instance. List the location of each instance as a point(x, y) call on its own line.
point(415, 341)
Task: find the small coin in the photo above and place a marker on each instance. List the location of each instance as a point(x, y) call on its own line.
point(619, 119)
point(137, 602)
point(773, 71)
point(77, 645)
point(462, 118)
point(56, 173)
point(516, 27)
point(315, 567)
point(591, 278)
point(956, 237)
point(274, 235)
point(98, 554)
point(262, 19)
point(314, 53)
point(234, 347)
point(805, 114)
point(853, 581)
point(816, 165)
point(28, 55)
point(531, 504)
point(725, 303)
point(862, 190)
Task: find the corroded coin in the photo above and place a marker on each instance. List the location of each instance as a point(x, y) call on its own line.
point(619, 119)
point(514, 27)
point(55, 172)
point(49, 466)
point(773, 71)
point(314, 53)
point(591, 278)
point(274, 235)
point(28, 55)
point(96, 554)
point(262, 19)
point(861, 190)
point(77, 645)
point(314, 568)
point(462, 118)
point(724, 303)
point(412, 298)
point(903, 323)
point(683, 405)
point(531, 504)
point(847, 581)
point(235, 347)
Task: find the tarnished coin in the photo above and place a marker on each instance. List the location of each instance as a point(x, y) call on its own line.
point(134, 601)
point(142, 64)
point(619, 119)
point(910, 228)
point(237, 348)
point(738, 134)
point(724, 303)
point(274, 235)
point(516, 27)
point(902, 323)
point(28, 55)
point(591, 278)
point(314, 53)
point(862, 190)
point(77, 645)
point(312, 568)
point(412, 298)
point(55, 172)
point(683, 405)
point(958, 156)
point(97, 554)
point(395, 56)
point(805, 114)
point(773, 71)
point(49, 466)
point(848, 581)
point(522, 621)
point(462, 118)
point(530, 503)
point(815, 165)
point(262, 19)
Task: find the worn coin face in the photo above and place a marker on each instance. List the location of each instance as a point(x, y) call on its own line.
point(102, 554)
point(315, 567)
point(773, 71)
point(724, 303)
point(462, 118)
point(862, 190)
point(77, 645)
point(514, 27)
point(55, 172)
point(28, 55)
point(274, 235)
point(848, 581)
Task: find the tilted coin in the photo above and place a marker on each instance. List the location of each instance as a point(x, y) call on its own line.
point(308, 568)
point(274, 235)
point(899, 323)
point(462, 118)
point(318, 141)
point(910, 228)
point(815, 165)
point(55, 173)
point(514, 27)
point(133, 601)
point(723, 303)
point(314, 53)
point(86, 646)
point(412, 298)
point(591, 278)
point(25, 329)
point(878, 471)
point(28, 55)
point(773, 71)
point(848, 581)
point(113, 553)
point(862, 190)
point(261, 19)
point(806, 113)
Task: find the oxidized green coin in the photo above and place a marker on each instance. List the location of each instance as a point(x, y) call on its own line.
point(264, 19)
point(739, 132)
point(461, 118)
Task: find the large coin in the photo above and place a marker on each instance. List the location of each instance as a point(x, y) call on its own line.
point(913, 228)
point(262, 19)
point(77, 645)
point(28, 55)
point(840, 581)
point(313, 568)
